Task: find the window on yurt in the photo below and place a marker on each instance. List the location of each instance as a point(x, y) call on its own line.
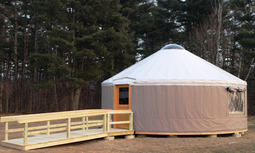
point(236, 101)
point(123, 96)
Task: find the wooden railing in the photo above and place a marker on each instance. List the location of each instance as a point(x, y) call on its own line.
point(66, 122)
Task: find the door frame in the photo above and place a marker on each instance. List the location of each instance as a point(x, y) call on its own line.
point(116, 96)
point(117, 106)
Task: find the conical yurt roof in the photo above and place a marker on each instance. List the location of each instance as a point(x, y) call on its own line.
point(173, 65)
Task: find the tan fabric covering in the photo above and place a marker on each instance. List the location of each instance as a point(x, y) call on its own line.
point(184, 109)
point(107, 97)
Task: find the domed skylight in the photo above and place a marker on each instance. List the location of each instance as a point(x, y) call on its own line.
point(173, 46)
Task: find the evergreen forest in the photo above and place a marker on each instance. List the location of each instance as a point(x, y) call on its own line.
point(54, 54)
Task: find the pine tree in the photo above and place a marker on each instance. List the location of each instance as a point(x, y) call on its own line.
point(245, 45)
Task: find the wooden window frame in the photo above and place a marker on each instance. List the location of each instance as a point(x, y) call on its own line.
point(116, 96)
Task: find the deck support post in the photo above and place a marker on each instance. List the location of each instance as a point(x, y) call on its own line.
point(48, 127)
point(87, 123)
point(104, 124)
point(108, 122)
point(68, 127)
point(129, 137)
point(83, 124)
point(131, 121)
point(237, 135)
point(212, 136)
point(25, 133)
point(109, 138)
point(6, 132)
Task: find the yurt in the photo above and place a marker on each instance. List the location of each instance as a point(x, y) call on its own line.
point(176, 92)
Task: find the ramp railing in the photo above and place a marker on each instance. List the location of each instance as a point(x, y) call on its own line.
point(51, 123)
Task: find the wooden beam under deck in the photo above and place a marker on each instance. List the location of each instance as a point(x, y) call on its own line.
point(202, 133)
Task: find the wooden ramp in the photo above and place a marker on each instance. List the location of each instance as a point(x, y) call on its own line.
point(51, 129)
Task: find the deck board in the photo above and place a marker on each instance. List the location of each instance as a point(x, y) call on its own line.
point(61, 138)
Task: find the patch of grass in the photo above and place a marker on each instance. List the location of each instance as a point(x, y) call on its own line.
point(251, 127)
point(251, 123)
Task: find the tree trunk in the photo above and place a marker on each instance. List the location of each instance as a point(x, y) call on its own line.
point(7, 87)
point(1, 98)
point(249, 69)
point(240, 68)
point(7, 101)
point(55, 97)
point(1, 88)
point(112, 63)
point(23, 89)
point(77, 93)
point(71, 99)
point(30, 100)
point(33, 79)
point(219, 26)
point(35, 50)
point(24, 59)
point(17, 105)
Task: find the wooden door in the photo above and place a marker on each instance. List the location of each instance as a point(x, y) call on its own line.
point(122, 101)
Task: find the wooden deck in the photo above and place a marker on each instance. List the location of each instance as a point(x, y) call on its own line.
point(83, 127)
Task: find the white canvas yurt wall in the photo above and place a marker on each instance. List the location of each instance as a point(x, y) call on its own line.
point(175, 91)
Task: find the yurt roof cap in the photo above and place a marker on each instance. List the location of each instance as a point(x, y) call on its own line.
point(172, 46)
point(173, 65)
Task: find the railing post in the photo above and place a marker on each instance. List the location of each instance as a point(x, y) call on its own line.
point(108, 122)
point(83, 124)
point(131, 121)
point(87, 123)
point(68, 127)
point(25, 133)
point(48, 127)
point(104, 124)
point(6, 132)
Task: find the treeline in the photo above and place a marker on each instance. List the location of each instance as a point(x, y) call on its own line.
point(55, 54)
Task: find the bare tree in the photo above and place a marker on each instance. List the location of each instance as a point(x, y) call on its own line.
point(208, 36)
point(205, 38)
point(1, 97)
point(218, 10)
point(17, 104)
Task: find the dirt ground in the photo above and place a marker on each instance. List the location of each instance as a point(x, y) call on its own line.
point(144, 144)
